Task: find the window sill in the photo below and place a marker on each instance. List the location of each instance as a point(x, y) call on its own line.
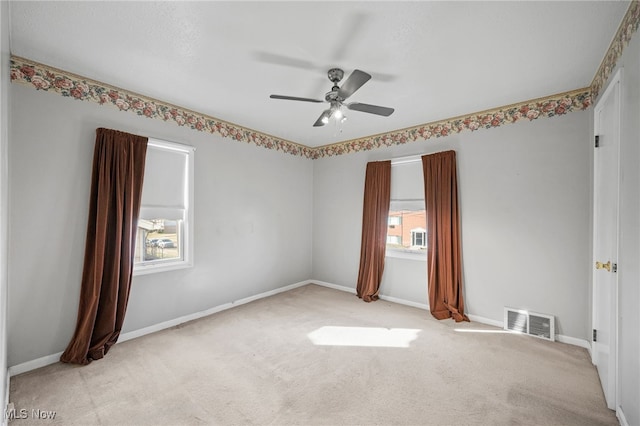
point(160, 267)
point(407, 254)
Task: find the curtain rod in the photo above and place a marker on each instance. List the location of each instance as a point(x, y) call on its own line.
point(166, 144)
point(407, 159)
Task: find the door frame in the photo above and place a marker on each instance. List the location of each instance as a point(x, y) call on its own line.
point(614, 84)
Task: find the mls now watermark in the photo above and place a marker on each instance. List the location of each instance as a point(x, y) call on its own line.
point(34, 413)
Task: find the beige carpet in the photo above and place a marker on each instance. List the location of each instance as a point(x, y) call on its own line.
point(371, 363)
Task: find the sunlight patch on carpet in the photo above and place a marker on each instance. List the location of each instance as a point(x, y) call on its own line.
point(363, 336)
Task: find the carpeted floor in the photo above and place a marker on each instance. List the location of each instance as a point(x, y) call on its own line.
point(319, 356)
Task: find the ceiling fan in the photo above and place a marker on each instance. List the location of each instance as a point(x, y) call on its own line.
point(338, 95)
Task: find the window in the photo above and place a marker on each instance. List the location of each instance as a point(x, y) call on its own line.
point(406, 233)
point(418, 238)
point(165, 227)
point(394, 220)
point(394, 240)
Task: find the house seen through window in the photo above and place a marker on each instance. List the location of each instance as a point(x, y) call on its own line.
point(406, 231)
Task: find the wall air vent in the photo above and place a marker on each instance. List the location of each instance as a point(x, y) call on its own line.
point(534, 324)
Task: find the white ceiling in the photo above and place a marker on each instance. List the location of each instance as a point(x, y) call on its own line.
point(429, 60)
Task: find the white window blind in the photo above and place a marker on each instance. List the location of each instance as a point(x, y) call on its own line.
point(407, 182)
point(165, 182)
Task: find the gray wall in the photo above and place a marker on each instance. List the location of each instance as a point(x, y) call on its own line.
point(629, 243)
point(525, 205)
point(253, 221)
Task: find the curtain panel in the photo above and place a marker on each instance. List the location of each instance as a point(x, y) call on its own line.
point(116, 191)
point(444, 260)
point(375, 212)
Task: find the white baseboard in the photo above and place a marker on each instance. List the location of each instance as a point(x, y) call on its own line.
point(621, 417)
point(559, 337)
point(483, 320)
point(34, 364)
point(52, 359)
point(334, 286)
point(181, 320)
point(574, 341)
point(476, 318)
point(382, 296)
point(405, 302)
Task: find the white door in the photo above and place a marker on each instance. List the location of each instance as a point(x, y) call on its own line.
point(605, 238)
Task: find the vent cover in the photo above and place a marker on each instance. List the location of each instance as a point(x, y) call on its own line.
point(534, 324)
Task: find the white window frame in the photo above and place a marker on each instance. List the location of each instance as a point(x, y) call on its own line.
point(186, 261)
point(403, 253)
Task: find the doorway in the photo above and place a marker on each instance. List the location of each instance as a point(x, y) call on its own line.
point(605, 238)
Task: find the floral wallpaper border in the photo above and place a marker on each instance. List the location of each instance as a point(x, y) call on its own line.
point(627, 28)
point(551, 106)
point(48, 79)
point(45, 78)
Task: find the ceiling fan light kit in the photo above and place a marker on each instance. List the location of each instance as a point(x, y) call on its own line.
point(338, 95)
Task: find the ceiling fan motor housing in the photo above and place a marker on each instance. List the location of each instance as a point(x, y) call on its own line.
point(335, 75)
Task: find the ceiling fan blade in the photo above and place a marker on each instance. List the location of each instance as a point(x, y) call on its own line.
point(319, 122)
point(351, 26)
point(353, 83)
point(287, 61)
point(371, 109)
point(294, 98)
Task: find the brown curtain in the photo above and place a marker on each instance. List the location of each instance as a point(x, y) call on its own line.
point(444, 264)
point(377, 194)
point(116, 191)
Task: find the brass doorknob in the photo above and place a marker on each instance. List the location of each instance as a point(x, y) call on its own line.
point(607, 266)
